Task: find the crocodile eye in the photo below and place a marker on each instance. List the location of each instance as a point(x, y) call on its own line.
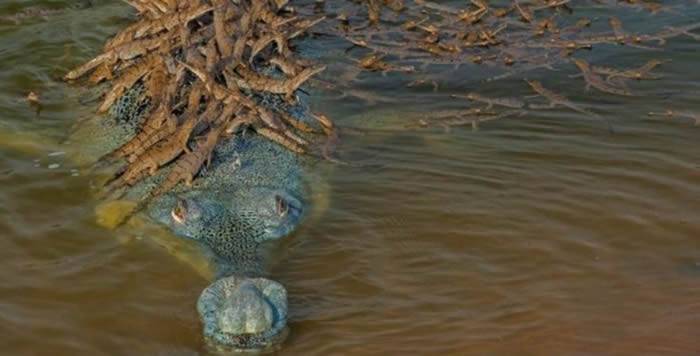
point(179, 212)
point(281, 205)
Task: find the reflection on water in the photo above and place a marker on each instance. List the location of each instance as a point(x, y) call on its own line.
point(535, 235)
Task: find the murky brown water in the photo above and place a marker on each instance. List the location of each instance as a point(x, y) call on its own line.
point(542, 235)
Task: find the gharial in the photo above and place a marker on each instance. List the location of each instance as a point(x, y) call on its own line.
point(205, 120)
point(207, 127)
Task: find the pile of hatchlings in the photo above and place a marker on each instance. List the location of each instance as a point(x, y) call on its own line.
point(199, 62)
point(510, 37)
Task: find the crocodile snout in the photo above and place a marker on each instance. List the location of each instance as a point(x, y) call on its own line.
point(242, 313)
point(246, 311)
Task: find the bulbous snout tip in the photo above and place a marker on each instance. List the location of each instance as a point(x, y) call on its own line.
point(244, 314)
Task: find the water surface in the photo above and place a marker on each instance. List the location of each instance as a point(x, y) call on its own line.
point(543, 234)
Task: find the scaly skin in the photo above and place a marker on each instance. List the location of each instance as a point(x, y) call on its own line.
point(287, 86)
point(260, 313)
point(252, 193)
point(215, 177)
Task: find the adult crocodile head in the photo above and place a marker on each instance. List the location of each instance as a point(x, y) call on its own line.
point(243, 201)
point(252, 193)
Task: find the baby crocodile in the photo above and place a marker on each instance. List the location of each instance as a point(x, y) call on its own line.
point(594, 80)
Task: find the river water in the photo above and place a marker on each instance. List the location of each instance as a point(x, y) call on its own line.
point(538, 235)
